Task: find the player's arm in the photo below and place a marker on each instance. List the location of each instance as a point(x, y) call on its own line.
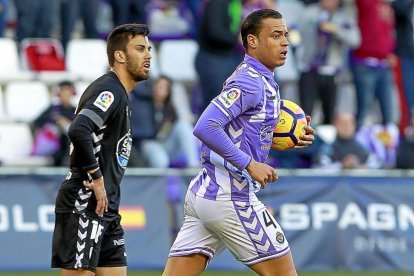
point(210, 130)
point(92, 117)
point(305, 140)
point(80, 134)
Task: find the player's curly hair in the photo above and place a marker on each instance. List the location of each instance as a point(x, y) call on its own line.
point(253, 23)
point(119, 37)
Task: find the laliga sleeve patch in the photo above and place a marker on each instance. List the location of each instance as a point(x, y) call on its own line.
point(104, 100)
point(229, 97)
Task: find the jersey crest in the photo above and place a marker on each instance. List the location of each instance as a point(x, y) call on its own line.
point(104, 100)
point(124, 150)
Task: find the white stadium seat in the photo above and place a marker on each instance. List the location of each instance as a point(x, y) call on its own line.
point(10, 62)
point(25, 101)
point(80, 87)
point(181, 102)
point(155, 66)
point(87, 58)
point(177, 59)
point(2, 106)
point(16, 143)
point(326, 132)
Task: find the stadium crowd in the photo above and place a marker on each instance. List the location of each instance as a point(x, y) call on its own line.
point(350, 66)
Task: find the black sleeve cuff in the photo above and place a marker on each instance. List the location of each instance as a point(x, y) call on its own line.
point(91, 167)
point(96, 174)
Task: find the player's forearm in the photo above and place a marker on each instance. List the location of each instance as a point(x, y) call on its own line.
point(80, 135)
point(210, 130)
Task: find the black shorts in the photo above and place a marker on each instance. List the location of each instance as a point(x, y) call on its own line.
point(81, 241)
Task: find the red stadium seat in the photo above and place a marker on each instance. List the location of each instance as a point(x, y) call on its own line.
point(43, 54)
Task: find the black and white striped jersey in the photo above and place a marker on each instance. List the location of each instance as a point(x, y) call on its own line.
point(103, 136)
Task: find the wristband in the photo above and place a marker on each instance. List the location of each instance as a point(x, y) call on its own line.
point(96, 174)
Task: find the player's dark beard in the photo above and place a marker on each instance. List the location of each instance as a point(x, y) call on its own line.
point(134, 71)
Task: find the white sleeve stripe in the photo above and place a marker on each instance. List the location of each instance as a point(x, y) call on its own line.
point(219, 107)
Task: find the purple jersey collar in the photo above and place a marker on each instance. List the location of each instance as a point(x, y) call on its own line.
point(258, 66)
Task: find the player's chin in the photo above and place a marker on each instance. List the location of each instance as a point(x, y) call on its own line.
point(280, 62)
point(142, 76)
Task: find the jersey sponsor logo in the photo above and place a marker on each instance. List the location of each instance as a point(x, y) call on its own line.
point(119, 242)
point(229, 97)
point(104, 100)
point(266, 147)
point(123, 150)
point(266, 133)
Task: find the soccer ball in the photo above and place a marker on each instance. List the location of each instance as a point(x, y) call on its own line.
point(290, 126)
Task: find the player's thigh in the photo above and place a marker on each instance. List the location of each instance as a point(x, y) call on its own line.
point(191, 265)
point(75, 272)
point(194, 245)
point(282, 266)
point(111, 271)
point(248, 230)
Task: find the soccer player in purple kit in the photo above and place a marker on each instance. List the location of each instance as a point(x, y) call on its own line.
point(236, 129)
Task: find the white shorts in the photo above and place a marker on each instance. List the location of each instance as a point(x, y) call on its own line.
point(248, 230)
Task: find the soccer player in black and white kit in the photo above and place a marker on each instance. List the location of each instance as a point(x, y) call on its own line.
point(88, 237)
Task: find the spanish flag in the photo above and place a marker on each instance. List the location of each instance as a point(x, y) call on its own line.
point(133, 217)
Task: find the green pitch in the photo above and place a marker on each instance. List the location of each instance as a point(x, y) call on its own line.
point(220, 273)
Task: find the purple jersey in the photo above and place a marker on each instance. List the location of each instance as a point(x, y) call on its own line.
point(248, 109)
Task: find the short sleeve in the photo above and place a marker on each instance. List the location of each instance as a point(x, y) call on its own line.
point(239, 95)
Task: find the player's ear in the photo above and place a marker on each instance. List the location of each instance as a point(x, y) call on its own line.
point(120, 56)
point(252, 41)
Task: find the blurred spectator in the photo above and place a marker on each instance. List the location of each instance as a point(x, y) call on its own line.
point(327, 32)
point(218, 38)
point(4, 9)
point(372, 60)
point(71, 10)
point(405, 152)
point(128, 11)
point(308, 2)
point(35, 18)
point(51, 127)
point(157, 132)
point(296, 158)
point(345, 152)
point(382, 141)
point(195, 7)
point(404, 14)
point(168, 19)
point(250, 6)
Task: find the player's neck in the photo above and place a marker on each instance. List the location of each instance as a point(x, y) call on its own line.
point(125, 79)
point(257, 57)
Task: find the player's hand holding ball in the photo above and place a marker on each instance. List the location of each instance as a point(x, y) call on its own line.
point(307, 138)
point(293, 129)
